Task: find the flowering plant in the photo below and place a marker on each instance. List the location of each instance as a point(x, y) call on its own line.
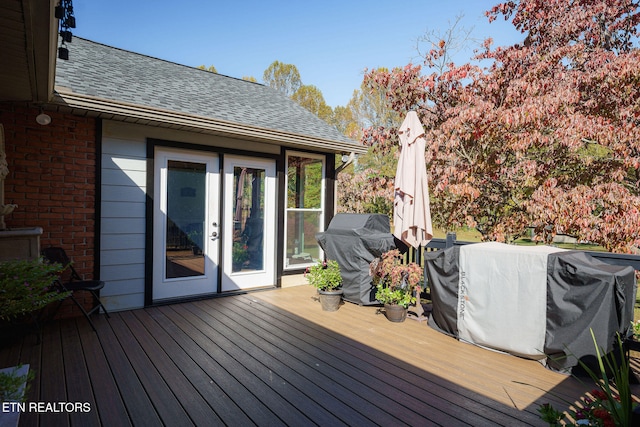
point(395, 282)
point(325, 275)
point(25, 287)
point(604, 406)
point(593, 410)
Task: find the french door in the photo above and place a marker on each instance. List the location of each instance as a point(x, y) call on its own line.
point(209, 238)
point(249, 245)
point(186, 229)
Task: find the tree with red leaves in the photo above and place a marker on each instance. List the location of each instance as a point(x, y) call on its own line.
point(546, 136)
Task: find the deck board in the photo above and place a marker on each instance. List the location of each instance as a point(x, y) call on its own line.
point(367, 391)
point(52, 361)
point(331, 389)
point(352, 359)
point(190, 400)
point(138, 404)
point(112, 410)
point(164, 401)
point(238, 388)
point(251, 357)
point(194, 386)
point(275, 358)
point(406, 376)
point(78, 384)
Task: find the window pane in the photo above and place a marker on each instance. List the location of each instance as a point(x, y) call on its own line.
point(302, 246)
point(186, 186)
point(305, 183)
point(248, 219)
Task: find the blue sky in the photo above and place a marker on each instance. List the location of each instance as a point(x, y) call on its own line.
point(331, 42)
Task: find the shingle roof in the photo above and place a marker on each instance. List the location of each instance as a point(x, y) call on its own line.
point(113, 74)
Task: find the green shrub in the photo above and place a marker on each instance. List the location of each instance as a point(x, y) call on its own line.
point(11, 385)
point(26, 287)
point(325, 275)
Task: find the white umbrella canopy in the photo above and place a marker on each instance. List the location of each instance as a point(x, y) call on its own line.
point(411, 212)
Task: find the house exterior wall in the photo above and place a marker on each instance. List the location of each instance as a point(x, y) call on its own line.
point(53, 174)
point(52, 179)
point(123, 203)
point(122, 225)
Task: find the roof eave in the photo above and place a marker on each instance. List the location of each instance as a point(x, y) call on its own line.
point(28, 35)
point(104, 107)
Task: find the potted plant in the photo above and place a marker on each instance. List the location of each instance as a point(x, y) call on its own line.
point(14, 383)
point(26, 288)
point(14, 386)
point(395, 283)
point(326, 278)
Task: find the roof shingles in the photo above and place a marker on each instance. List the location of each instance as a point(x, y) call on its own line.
point(117, 75)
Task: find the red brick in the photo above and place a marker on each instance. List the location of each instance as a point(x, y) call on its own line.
point(52, 179)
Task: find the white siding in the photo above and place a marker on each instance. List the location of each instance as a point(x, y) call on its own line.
point(122, 224)
point(123, 204)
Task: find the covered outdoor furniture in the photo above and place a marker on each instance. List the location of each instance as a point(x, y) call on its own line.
point(354, 240)
point(535, 302)
point(74, 282)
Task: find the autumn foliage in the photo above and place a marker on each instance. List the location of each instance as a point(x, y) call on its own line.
point(542, 134)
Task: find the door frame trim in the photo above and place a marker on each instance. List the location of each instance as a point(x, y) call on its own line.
point(151, 145)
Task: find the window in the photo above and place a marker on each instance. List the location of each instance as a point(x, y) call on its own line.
point(305, 209)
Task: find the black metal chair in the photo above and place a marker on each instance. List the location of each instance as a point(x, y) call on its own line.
point(75, 282)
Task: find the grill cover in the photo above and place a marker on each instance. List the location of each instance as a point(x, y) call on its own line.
point(354, 240)
point(536, 303)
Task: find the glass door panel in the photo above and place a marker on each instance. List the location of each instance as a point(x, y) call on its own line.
point(186, 210)
point(248, 219)
point(249, 242)
point(185, 224)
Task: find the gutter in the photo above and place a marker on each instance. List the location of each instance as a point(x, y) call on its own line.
point(120, 110)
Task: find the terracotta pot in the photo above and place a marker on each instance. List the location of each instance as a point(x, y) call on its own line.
point(330, 300)
point(395, 313)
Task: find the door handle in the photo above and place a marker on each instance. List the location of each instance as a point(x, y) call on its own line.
point(214, 235)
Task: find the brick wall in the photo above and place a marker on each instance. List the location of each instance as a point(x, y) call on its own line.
point(52, 179)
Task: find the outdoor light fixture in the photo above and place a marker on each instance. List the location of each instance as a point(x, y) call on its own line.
point(43, 118)
point(346, 159)
point(64, 12)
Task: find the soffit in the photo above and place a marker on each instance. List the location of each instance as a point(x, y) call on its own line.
point(28, 37)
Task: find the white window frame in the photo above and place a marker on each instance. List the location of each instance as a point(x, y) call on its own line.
point(321, 210)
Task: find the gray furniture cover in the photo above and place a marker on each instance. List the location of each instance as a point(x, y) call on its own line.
point(535, 303)
point(354, 240)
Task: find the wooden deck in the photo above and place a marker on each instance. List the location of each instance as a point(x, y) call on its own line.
point(274, 358)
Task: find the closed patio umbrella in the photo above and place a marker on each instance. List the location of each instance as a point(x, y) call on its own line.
point(411, 212)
